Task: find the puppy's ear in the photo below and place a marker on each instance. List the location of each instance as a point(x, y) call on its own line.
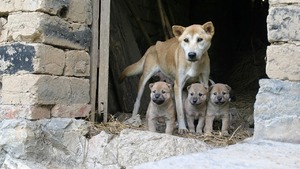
point(177, 30)
point(231, 93)
point(169, 85)
point(188, 88)
point(151, 85)
point(210, 87)
point(209, 28)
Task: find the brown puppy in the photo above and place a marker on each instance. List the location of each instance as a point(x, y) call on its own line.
point(161, 108)
point(218, 108)
point(183, 59)
point(195, 107)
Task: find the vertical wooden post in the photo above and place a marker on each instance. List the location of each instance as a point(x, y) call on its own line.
point(104, 58)
point(94, 57)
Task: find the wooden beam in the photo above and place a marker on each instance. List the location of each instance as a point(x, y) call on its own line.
point(104, 59)
point(94, 57)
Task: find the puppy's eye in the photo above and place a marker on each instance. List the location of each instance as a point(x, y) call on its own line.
point(192, 94)
point(215, 93)
point(186, 40)
point(199, 39)
point(154, 91)
point(223, 93)
point(163, 92)
point(200, 94)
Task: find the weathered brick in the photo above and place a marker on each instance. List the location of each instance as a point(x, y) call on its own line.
point(276, 2)
point(283, 62)
point(77, 63)
point(80, 11)
point(41, 27)
point(283, 24)
point(48, 6)
point(3, 30)
point(31, 89)
point(33, 58)
point(71, 111)
point(73, 10)
point(276, 111)
point(24, 111)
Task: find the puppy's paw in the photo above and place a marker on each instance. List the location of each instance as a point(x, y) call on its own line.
point(199, 132)
point(182, 130)
point(208, 134)
point(192, 131)
point(225, 133)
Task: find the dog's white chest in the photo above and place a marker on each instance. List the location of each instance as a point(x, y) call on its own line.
point(193, 71)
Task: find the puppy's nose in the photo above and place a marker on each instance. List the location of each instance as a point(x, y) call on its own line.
point(192, 55)
point(156, 95)
point(195, 100)
point(219, 98)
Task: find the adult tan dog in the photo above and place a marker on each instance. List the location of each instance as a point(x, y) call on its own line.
point(183, 59)
point(218, 108)
point(161, 108)
point(195, 107)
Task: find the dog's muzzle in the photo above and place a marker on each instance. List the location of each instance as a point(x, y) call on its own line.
point(192, 56)
point(194, 101)
point(158, 101)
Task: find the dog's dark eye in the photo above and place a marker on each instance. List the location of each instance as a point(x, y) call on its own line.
point(200, 94)
point(163, 92)
point(192, 94)
point(154, 91)
point(186, 40)
point(199, 39)
point(215, 93)
point(223, 93)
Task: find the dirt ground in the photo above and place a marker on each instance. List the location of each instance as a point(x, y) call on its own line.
point(242, 124)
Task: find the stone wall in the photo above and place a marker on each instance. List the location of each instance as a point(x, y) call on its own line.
point(276, 110)
point(44, 59)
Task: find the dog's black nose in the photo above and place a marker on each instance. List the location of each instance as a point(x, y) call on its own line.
point(156, 95)
point(192, 55)
point(219, 98)
point(195, 100)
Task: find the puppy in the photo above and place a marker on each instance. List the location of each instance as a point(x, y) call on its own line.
point(161, 108)
point(195, 107)
point(218, 108)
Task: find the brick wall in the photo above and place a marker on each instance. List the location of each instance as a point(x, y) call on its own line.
point(44, 59)
point(276, 110)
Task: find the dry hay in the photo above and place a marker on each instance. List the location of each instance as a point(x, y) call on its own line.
point(114, 126)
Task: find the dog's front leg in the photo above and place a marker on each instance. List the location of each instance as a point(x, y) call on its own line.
point(179, 107)
point(225, 125)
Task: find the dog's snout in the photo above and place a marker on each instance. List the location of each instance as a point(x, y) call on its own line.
point(219, 98)
point(192, 55)
point(157, 95)
point(195, 100)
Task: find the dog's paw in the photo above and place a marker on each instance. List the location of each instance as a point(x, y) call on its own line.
point(208, 134)
point(225, 133)
point(199, 132)
point(134, 121)
point(192, 131)
point(182, 131)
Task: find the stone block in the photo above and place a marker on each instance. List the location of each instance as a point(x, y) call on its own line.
point(283, 62)
point(77, 63)
point(48, 6)
point(71, 111)
point(276, 111)
point(3, 30)
point(283, 24)
point(80, 11)
point(278, 2)
point(31, 89)
point(53, 143)
point(31, 58)
point(24, 111)
point(72, 10)
point(52, 30)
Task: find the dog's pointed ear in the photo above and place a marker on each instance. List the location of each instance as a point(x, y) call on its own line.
point(177, 30)
point(210, 87)
point(209, 28)
point(151, 85)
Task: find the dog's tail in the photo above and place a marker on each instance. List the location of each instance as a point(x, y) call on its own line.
point(134, 69)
